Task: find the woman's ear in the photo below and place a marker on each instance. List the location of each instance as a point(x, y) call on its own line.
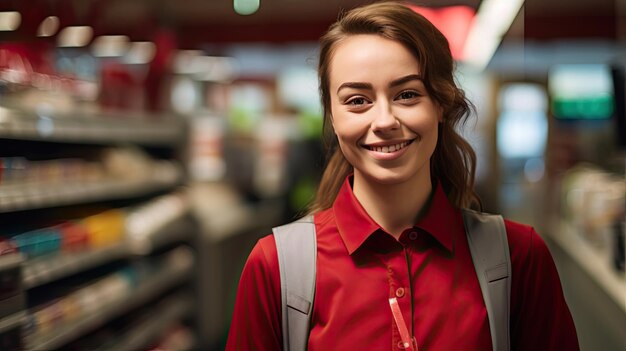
point(439, 113)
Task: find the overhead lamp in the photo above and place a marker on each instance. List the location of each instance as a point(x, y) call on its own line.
point(48, 27)
point(110, 45)
point(246, 7)
point(10, 20)
point(492, 21)
point(75, 36)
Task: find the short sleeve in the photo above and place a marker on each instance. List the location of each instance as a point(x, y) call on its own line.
point(540, 317)
point(256, 322)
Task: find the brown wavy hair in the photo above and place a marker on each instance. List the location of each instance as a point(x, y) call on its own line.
point(453, 162)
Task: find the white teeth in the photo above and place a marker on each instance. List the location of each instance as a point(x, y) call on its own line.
point(389, 148)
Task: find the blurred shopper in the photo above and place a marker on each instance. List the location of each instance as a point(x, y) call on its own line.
point(388, 210)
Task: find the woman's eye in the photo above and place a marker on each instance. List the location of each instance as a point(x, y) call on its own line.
point(357, 101)
point(406, 95)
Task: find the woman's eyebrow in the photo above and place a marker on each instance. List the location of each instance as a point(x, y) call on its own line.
point(368, 86)
point(355, 85)
point(405, 79)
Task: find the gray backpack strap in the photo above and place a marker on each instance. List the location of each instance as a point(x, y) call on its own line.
point(486, 235)
point(297, 252)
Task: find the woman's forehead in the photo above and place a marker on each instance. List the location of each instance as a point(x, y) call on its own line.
point(371, 57)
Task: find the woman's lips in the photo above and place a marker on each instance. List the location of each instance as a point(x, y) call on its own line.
point(389, 148)
point(389, 151)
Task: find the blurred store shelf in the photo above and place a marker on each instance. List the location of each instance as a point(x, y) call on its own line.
point(13, 298)
point(180, 264)
point(10, 261)
point(94, 129)
point(11, 322)
point(143, 334)
point(41, 270)
point(16, 197)
point(593, 262)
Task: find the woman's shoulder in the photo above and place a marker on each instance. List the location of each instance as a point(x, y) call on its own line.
point(264, 252)
point(525, 244)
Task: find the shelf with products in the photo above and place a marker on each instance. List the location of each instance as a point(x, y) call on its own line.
point(146, 227)
point(11, 330)
point(44, 269)
point(591, 224)
point(12, 299)
point(82, 193)
point(25, 195)
point(91, 306)
point(90, 128)
point(594, 261)
point(143, 333)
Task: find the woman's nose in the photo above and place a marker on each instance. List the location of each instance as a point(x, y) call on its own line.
point(384, 119)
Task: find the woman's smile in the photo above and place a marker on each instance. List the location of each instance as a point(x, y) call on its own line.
point(387, 150)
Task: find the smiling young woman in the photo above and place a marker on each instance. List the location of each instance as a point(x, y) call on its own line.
point(394, 268)
point(386, 125)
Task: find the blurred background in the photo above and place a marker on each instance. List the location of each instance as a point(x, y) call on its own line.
point(146, 145)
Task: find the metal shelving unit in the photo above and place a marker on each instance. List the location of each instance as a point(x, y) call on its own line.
point(41, 270)
point(149, 329)
point(168, 277)
point(17, 197)
point(94, 129)
point(164, 137)
point(591, 261)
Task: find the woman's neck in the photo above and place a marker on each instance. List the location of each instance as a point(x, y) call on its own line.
point(394, 207)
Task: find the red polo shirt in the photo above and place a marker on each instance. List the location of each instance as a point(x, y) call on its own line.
point(430, 272)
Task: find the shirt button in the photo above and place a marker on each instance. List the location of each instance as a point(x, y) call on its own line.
point(403, 345)
point(413, 235)
point(400, 292)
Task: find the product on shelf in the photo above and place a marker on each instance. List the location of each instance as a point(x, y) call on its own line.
point(142, 222)
point(75, 236)
point(123, 164)
point(96, 231)
point(12, 170)
point(594, 202)
point(106, 292)
point(7, 247)
point(38, 242)
point(105, 228)
point(127, 163)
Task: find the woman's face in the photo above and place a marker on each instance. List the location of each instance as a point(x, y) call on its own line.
point(385, 121)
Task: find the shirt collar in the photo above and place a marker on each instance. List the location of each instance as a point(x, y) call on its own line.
point(355, 226)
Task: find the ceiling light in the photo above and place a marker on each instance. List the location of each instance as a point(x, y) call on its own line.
point(246, 7)
point(492, 21)
point(10, 20)
point(75, 36)
point(48, 27)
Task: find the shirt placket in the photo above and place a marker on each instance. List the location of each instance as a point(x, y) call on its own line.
point(400, 289)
